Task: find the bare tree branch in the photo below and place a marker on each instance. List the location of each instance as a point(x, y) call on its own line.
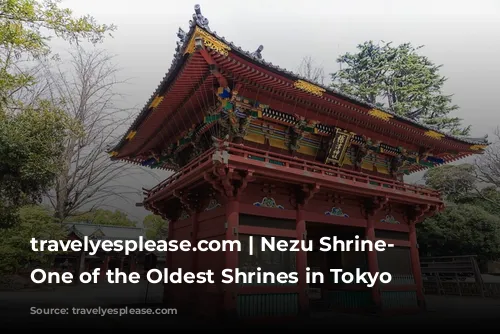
point(311, 72)
point(488, 168)
point(88, 92)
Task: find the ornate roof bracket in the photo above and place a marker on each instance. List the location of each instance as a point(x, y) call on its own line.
point(214, 69)
point(301, 194)
point(374, 205)
point(201, 39)
point(190, 202)
point(309, 190)
point(247, 177)
point(419, 213)
point(230, 183)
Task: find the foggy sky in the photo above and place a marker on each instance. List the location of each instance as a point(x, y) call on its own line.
point(464, 36)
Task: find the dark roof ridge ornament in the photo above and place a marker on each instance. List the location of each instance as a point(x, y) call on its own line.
point(182, 35)
point(198, 18)
point(258, 53)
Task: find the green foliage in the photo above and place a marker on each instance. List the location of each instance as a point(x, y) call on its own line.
point(487, 198)
point(453, 181)
point(31, 143)
point(156, 227)
point(400, 79)
point(32, 132)
point(26, 27)
point(459, 184)
point(462, 229)
point(103, 217)
point(15, 248)
point(26, 24)
point(470, 224)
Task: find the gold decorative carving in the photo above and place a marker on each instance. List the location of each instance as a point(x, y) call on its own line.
point(478, 147)
point(380, 114)
point(209, 41)
point(309, 87)
point(434, 134)
point(131, 135)
point(113, 154)
point(156, 102)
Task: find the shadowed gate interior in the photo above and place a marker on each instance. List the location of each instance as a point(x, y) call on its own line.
point(272, 298)
point(343, 297)
point(331, 295)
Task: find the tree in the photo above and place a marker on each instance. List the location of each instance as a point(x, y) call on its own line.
point(477, 184)
point(26, 26)
point(453, 181)
point(31, 143)
point(15, 249)
point(311, 72)
point(156, 227)
point(32, 128)
point(469, 225)
point(400, 79)
point(87, 91)
point(488, 172)
point(461, 230)
point(103, 217)
point(488, 198)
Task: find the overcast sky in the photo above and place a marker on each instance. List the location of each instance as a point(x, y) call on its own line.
point(464, 36)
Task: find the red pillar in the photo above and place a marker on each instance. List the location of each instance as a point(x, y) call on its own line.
point(194, 240)
point(415, 266)
point(133, 263)
point(122, 260)
point(373, 263)
point(81, 262)
point(194, 258)
point(168, 262)
point(104, 267)
point(301, 262)
point(232, 223)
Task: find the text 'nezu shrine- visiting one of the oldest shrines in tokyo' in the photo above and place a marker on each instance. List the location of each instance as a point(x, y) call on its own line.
point(257, 150)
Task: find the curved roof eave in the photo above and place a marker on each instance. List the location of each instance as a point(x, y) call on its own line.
point(179, 58)
point(294, 76)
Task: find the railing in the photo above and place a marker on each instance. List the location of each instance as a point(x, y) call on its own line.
point(323, 169)
point(303, 165)
point(190, 167)
point(453, 275)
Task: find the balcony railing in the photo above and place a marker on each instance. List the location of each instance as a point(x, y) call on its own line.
point(242, 154)
point(191, 168)
point(324, 169)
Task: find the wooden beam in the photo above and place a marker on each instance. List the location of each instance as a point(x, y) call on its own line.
point(214, 69)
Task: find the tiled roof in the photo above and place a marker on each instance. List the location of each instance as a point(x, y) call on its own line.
point(106, 232)
point(201, 22)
